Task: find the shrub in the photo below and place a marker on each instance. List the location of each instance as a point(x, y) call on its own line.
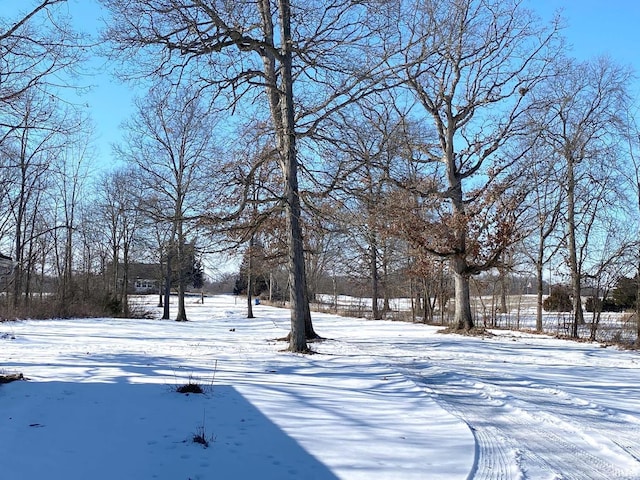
point(558, 301)
point(625, 292)
point(604, 305)
point(112, 305)
point(192, 386)
point(10, 377)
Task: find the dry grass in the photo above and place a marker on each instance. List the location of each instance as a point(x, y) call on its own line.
point(191, 387)
point(11, 377)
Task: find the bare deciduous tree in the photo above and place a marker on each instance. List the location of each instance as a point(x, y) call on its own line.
point(264, 46)
point(582, 124)
point(39, 50)
point(70, 171)
point(39, 56)
point(170, 141)
point(121, 218)
point(359, 152)
point(471, 64)
point(632, 176)
point(545, 175)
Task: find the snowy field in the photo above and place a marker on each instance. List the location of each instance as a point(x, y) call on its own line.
point(380, 400)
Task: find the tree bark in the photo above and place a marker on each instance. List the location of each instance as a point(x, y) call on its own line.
point(250, 280)
point(282, 109)
point(182, 313)
point(576, 283)
point(166, 314)
point(462, 315)
point(539, 290)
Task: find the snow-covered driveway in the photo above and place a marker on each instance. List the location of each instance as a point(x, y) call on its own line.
point(539, 408)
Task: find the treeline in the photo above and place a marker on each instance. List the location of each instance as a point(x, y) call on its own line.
point(410, 148)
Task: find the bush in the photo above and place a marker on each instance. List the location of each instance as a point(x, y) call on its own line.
point(605, 305)
point(625, 292)
point(112, 305)
point(558, 301)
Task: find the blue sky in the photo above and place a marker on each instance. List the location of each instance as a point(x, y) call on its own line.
point(594, 27)
point(598, 27)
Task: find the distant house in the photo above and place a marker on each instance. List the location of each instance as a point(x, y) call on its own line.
point(7, 266)
point(142, 277)
point(146, 285)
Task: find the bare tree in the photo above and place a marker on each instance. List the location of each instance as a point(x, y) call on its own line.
point(471, 64)
point(243, 48)
point(39, 51)
point(359, 152)
point(121, 219)
point(71, 171)
point(582, 125)
point(632, 177)
point(545, 175)
point(170, 141)
point(32, 149)
point(38, 59)
point(36, 144)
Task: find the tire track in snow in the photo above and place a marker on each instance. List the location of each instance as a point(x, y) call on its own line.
point(508, 427)
point(594, 419)
point(525, 430)
point(494, 459)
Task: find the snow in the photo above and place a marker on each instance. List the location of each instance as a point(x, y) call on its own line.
point(379, 400)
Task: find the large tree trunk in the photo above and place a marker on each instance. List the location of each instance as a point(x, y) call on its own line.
point(576, 283)
point(181, 316)
point(297, 295)
point(462, 315)
point(182, 313)
point(250, 281)
point(309, 332)
point(539, 293)
point(282, 110)
point(300, 313)
point(166, 314)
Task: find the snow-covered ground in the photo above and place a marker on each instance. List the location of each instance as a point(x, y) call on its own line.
point(380, 400)
point(617, 327)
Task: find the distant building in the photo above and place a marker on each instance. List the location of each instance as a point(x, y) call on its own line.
point(142, 277)
point(146, 285)
point(7, 265)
